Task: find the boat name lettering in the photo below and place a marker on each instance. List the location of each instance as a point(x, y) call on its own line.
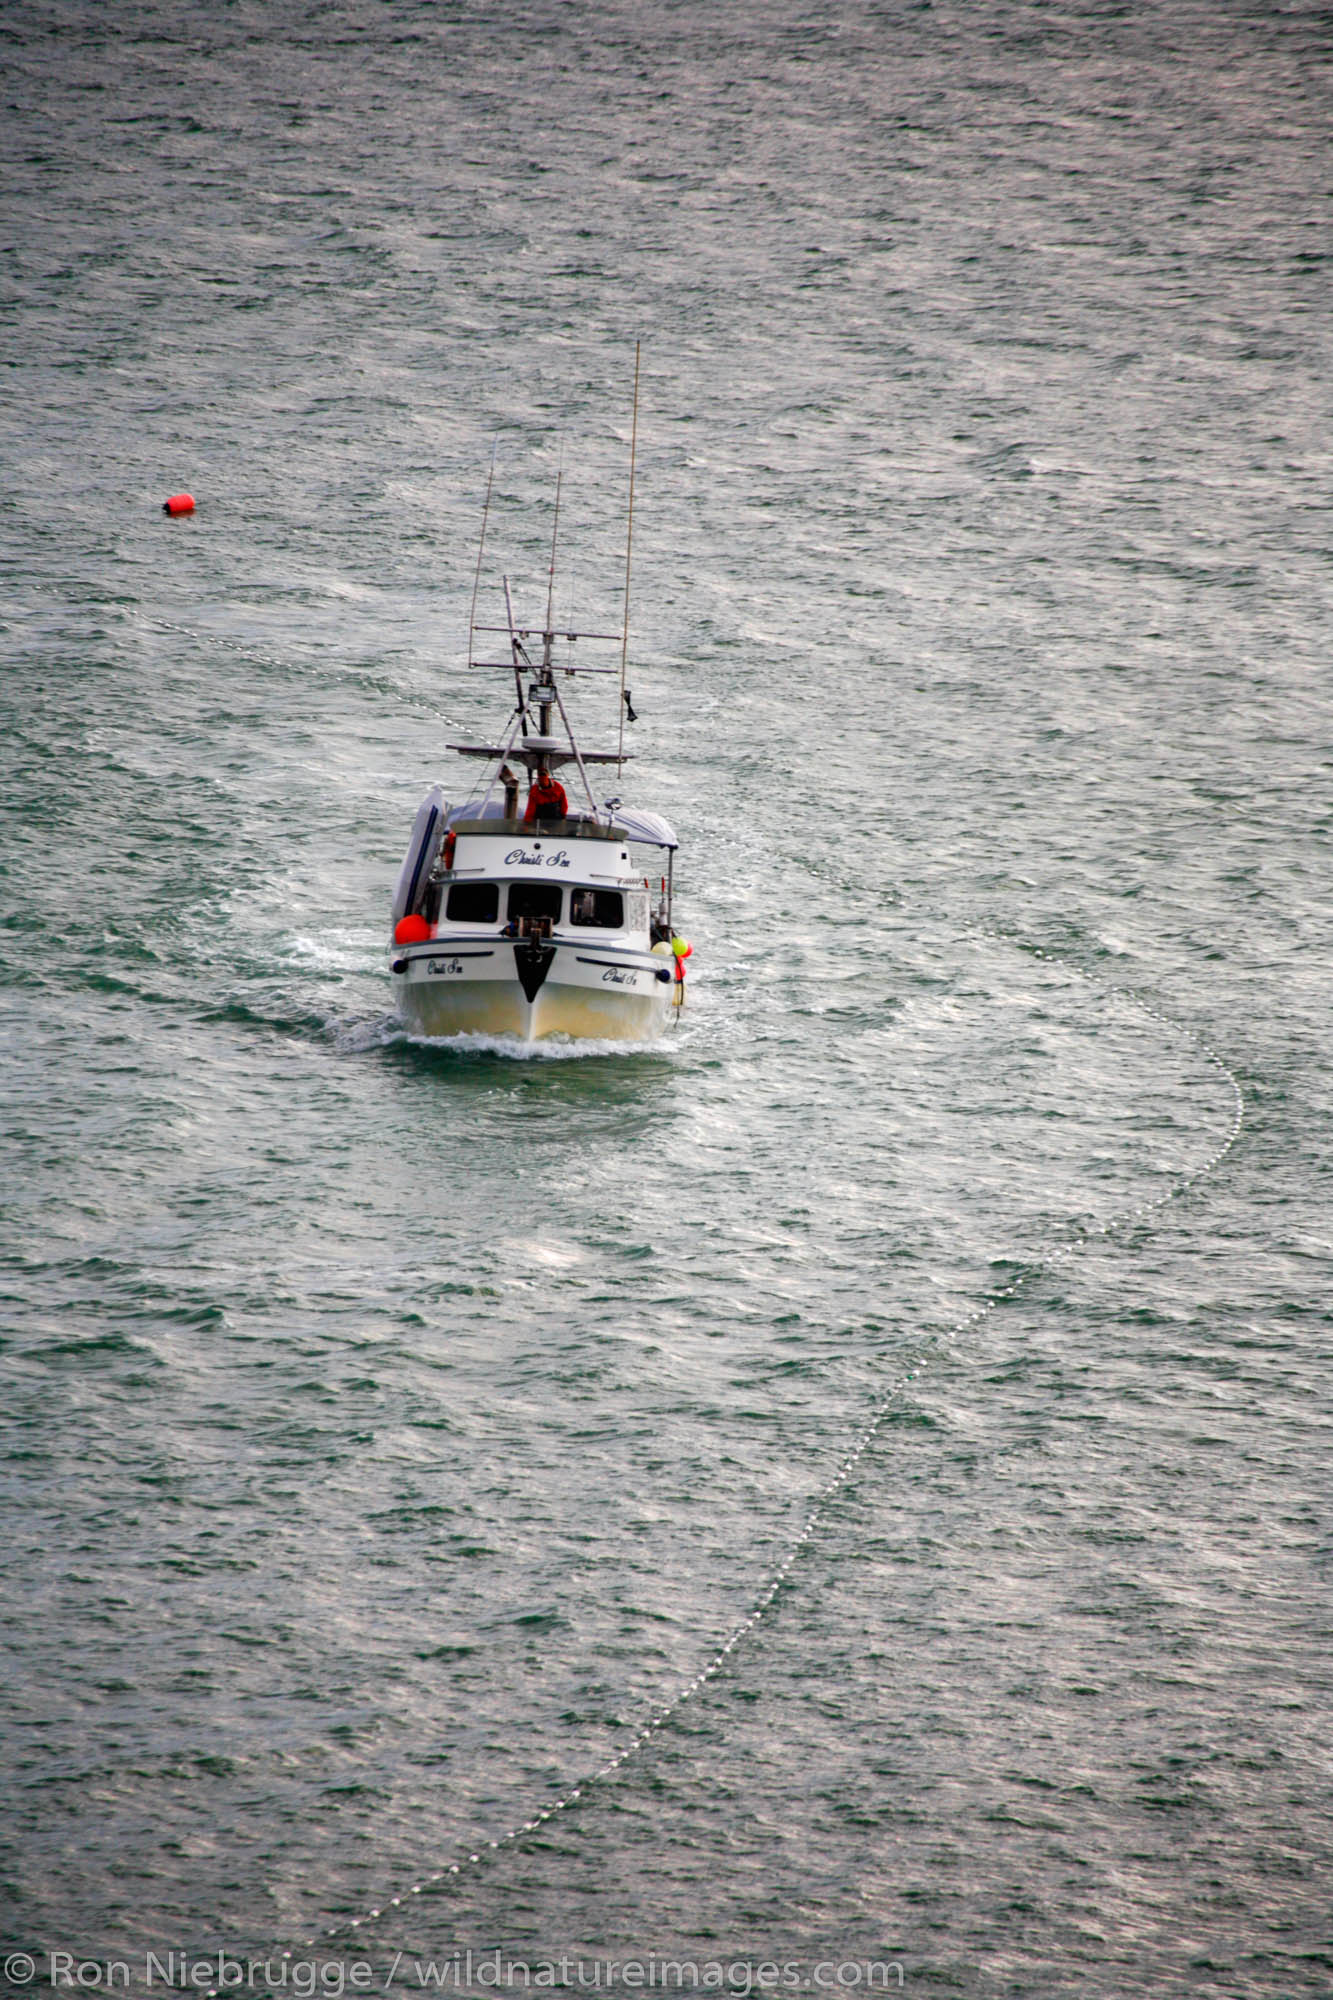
point(442, 966)
point(615, 977)
point(519, 857)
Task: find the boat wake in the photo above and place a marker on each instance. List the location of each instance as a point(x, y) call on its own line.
point(387, 1031)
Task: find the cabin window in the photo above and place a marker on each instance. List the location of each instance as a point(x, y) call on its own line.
point(473, 902)
point(601, 909)
point(535, 899)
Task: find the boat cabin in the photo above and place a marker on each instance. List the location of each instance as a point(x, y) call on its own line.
point(515, 880)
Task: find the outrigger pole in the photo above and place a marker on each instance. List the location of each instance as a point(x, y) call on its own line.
point(629, 543)
point(520, 657)
point(481, 545)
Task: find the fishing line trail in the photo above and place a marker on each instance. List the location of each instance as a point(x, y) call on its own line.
point(1050, 1261)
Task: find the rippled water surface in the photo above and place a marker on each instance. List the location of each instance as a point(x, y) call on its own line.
point(399, 1437)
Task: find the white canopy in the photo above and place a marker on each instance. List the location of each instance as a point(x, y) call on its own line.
point(650, 828)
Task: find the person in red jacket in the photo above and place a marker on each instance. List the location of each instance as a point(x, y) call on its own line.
point(546, 798)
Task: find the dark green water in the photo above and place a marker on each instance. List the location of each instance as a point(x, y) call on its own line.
point(395, 1435)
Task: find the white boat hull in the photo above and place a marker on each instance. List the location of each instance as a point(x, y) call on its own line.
point(589, 993)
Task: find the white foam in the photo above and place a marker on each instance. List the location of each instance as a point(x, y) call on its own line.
point(387, 1030)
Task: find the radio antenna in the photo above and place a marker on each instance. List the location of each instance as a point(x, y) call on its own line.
point(629, 543)
point(555, 530)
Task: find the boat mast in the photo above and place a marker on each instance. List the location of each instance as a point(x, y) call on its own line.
point(539, 694)
point(545, 688)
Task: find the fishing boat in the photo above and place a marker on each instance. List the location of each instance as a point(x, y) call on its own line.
point(518, 912)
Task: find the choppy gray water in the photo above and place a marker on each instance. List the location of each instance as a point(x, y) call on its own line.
point(394, 1434)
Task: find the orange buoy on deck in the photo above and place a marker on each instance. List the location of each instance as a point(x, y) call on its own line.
point(179, 503)
point(411, 930)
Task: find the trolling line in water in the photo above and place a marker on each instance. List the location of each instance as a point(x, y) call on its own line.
point(1052, 1260)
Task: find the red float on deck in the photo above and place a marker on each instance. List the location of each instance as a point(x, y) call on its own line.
point(411, 930)
point(179, 503)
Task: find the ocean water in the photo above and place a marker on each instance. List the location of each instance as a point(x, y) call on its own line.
point(845, 1489)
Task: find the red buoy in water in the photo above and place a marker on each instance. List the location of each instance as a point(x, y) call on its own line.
point(411, 930)
point(179, 503)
